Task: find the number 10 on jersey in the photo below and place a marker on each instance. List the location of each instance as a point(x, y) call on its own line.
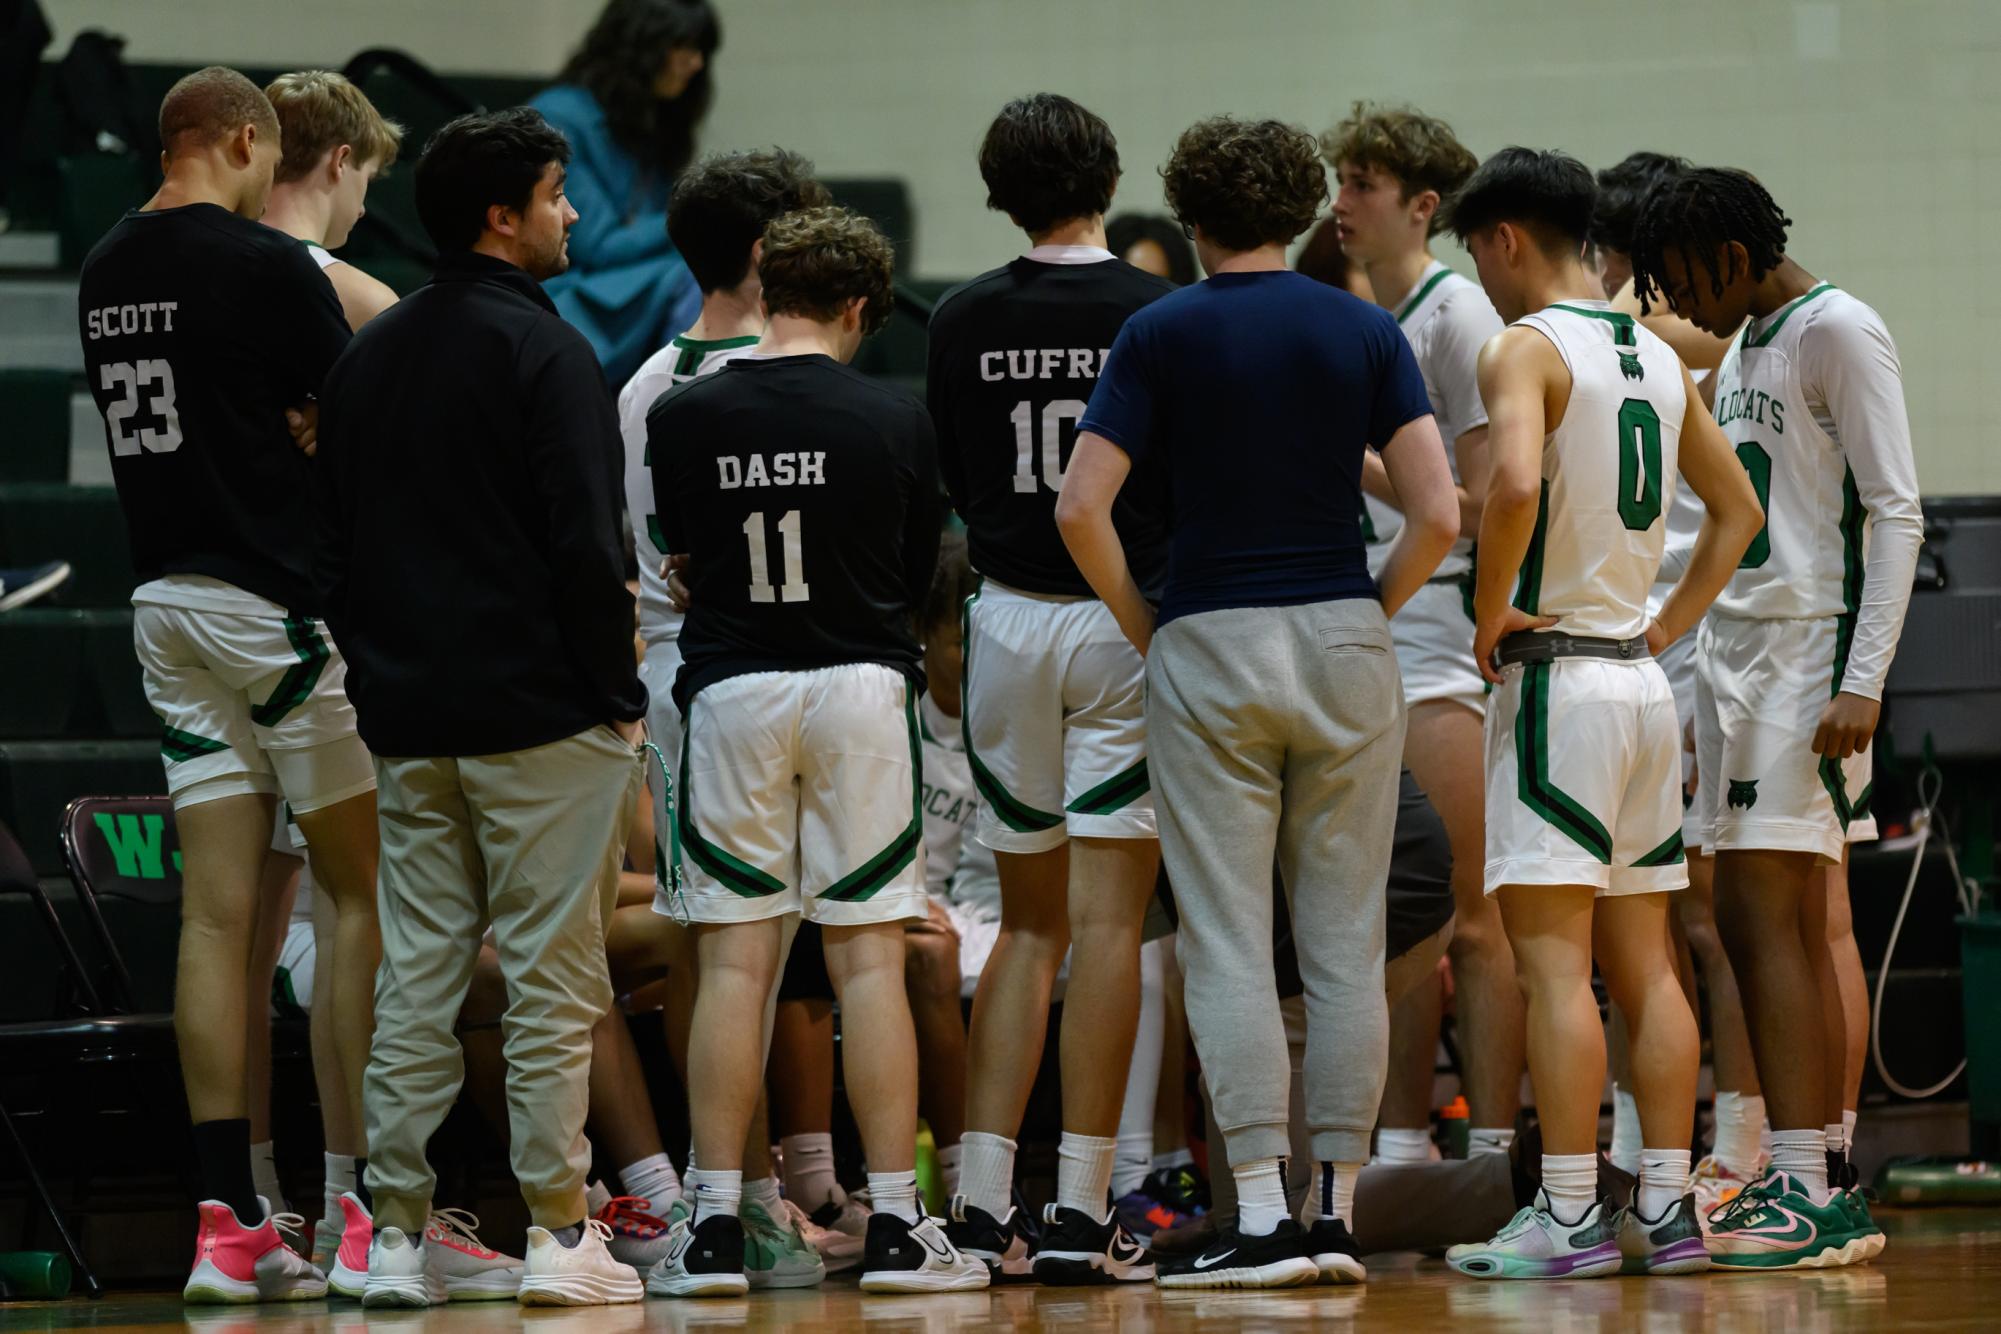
point(794, 587)
point(1054, 415)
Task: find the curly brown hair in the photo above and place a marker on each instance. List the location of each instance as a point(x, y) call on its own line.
point(1245, 183)
point(816, 260)
point(1419, 150)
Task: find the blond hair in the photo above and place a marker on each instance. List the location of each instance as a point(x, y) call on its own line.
point(319, 110)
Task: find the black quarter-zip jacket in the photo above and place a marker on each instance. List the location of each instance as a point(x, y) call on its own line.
point(469, 554)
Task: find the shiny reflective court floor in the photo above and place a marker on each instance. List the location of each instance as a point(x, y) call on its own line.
point(1942, 1271)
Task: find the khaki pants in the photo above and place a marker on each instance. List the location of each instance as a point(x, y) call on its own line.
point(531, 843)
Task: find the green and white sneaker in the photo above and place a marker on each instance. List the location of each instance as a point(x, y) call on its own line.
point(1670, 1244)
point(1857, 1205)
point(1776, 1225)
point(775, 1252)
point(1535, 1245)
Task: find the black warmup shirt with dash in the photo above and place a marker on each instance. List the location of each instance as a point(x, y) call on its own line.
point(1014, 356)
point(200, 328)
point(806, 497)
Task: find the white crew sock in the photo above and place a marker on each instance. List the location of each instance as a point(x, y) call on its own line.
point(1084, 1173)
point(1173, 1158)
point(1848, 1133)
point(264, 1172)
point(339, 1181)
point(652, 1179)
point(809, 1169)
point(894, 1193)
point(1625, 1153)
point(1395, 1144)
point(715, 1193)
point(986, 1171)
point(1739, 1117)
point(764, 1194)
point(1764, 1134)
point(1836, 1135)
point(1489, 1139)
point(1131, 1163)
point(1802, 1155)
point(948, 1167)
point(1570, 1181)
point(1332, 1192)
point(1663, 1181)
point(1260, 1196)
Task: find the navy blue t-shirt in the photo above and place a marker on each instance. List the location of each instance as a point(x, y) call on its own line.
point(1258, 392)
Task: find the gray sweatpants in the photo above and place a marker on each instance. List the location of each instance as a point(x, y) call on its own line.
point(1280, 730)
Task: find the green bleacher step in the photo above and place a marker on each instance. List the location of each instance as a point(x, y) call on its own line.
point(67, 672)
point(42, 521)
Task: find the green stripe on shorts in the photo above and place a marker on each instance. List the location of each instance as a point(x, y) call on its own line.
point(1533, 783)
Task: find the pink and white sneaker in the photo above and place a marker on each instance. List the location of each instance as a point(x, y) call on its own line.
point(237, 1264)
point(349, 1276)
point(472, 1273)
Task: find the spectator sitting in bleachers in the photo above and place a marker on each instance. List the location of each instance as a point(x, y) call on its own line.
point(629, 101)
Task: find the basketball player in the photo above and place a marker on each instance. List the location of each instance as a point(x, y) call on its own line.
point(720, 208)
point(1053, 694)
point(1792, 660)
point(201, 328)
point(804, 496)
point(1394, 167)
point(1735, 1157)
point(336, 143)
point(1591, 418)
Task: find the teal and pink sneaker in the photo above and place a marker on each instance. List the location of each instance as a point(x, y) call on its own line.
point(1670, 1244)
point(1536, 1245)
point(1776, 1225)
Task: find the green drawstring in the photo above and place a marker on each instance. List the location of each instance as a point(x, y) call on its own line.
point(667, 870)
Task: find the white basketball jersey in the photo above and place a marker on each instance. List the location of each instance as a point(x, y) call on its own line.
point(682, 360)
point(950, 800)
point(1807, 562)
point(1608, 473)
point(1447, 319)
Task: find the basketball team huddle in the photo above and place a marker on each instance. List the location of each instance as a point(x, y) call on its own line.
point(1598, 561)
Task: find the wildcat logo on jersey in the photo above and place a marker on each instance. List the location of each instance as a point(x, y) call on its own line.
point(1743, 793)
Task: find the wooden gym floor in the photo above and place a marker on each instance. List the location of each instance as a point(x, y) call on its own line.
point(1942, 1271)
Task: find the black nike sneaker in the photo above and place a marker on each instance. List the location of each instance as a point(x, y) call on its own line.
point(916, 1257)
point(701, 1261)
point(1233, 1260)
point(1077, 1248)
point(1335, 1253)
point(997, 1243)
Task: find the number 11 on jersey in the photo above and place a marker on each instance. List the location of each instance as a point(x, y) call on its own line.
point(794, 588)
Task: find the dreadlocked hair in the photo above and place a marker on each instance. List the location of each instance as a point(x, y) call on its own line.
point(1697, 213)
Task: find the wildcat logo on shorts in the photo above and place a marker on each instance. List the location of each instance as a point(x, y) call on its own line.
point(1743, 792)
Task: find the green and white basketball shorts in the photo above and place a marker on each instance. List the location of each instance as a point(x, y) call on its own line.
point(250, 704)
point(1584, 778)
point(657, 670)
point(1433, 634)
point(1761, 687)
point(1055, 721)
point(799, 793)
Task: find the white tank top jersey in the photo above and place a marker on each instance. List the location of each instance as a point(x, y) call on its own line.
point(1447, 320)
point(950, 800)
point(682, 360)
point(1608, 473)
point(323, 257)
point(1812, 399)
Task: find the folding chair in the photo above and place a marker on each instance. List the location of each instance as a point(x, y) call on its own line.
point(123, 848)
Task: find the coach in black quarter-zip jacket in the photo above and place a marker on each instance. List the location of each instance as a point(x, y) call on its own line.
point(471, 563)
